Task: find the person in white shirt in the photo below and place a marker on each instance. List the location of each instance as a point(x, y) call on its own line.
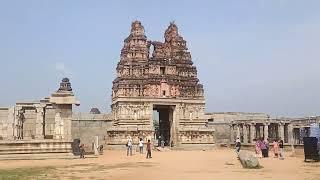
point(129, 146)
point(141, 146)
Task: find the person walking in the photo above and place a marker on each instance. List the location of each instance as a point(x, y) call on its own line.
point(281, 147)
point(129, 146)
point(238, 146)
point(141, 146)
point(149, 149)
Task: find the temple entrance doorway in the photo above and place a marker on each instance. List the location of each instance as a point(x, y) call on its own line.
point(162, 122)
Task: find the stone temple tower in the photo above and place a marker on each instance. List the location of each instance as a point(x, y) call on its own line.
point(158, 95)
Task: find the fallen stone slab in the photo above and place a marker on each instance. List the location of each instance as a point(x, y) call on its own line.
point(162, 149)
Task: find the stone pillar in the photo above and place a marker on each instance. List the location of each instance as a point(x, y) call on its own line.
point(18, 123)
point(175, 127)
point(252, 132)
point(39, 122)
point(290, 134)
point(266, 131)
point(231, 134)
point(260, 131)
point(58, 125)
point(281, 131)
point(245, 134)
point(96, 145)
point(10, 124)
point(238, 131)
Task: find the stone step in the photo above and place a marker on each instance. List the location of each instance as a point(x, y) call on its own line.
point(37, 156)
point(22, 151)
point(32, 148)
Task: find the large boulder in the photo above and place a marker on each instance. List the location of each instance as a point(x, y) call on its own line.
point(248, 160)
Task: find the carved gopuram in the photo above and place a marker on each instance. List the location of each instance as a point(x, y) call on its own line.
point(156, 94)
point(42, 129)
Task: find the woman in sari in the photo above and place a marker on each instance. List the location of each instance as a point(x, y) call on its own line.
point(275, 148)
point(257, 146)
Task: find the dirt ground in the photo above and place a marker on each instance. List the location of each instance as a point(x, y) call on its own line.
point(175, 165)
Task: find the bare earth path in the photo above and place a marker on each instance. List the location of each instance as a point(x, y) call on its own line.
point(176, 165)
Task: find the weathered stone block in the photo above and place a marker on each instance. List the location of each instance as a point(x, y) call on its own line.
point(248, 160)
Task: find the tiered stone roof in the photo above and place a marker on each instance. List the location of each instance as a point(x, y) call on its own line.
point(168, 72)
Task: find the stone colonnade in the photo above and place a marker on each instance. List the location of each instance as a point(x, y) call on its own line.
point(249, 131)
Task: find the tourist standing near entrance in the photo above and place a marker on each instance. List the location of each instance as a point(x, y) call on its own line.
point(281, 150)
point(141, 146)
point(129, 146)
point(149, 149)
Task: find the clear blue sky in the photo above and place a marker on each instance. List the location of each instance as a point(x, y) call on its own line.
point(252, 56)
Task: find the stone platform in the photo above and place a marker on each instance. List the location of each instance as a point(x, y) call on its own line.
point(36, 149)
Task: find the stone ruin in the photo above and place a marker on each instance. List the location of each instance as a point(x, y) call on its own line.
point(38, 129)
point(156, 95)
point(163, 81)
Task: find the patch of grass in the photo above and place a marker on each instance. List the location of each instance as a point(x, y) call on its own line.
point(70, 172)
point(25, 173)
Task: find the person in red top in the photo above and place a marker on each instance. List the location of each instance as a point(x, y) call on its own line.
point(81, 147)
point(149, 149)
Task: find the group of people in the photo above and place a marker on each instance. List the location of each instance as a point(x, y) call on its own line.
point(140, 144)
point(262, 148)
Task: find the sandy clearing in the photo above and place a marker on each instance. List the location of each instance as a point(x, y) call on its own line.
point(185, 165)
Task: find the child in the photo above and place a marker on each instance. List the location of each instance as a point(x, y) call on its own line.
point(149, 149)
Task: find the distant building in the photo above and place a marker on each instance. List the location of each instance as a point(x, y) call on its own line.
point(95, 111)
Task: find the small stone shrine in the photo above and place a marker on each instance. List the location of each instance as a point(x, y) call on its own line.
point(36, 130)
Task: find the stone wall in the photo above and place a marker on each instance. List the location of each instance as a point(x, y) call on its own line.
point(222, 133)
point(29, 128)
point(49, 122)
point(86, 126)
